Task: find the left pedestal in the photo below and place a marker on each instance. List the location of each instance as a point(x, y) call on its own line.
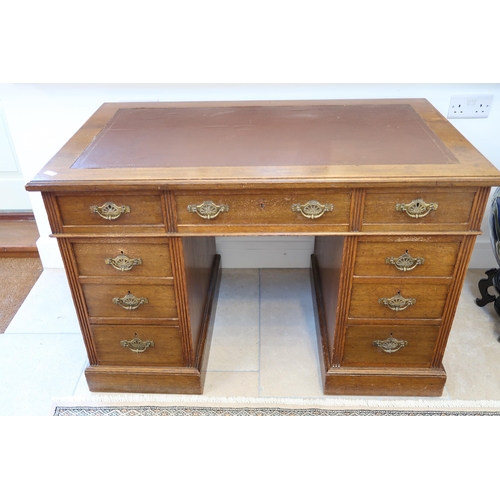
point(145, 297)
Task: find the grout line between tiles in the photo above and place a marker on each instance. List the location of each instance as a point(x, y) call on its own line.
point(260, 343)
point(82, 374)
point(232, 371)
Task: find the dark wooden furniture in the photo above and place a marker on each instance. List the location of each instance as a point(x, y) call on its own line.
point(491, 282)
point(393, 194)
point(18, 235)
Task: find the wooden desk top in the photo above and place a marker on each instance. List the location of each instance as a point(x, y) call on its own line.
point(261, 144)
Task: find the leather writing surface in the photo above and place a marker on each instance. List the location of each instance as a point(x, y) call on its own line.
point(385, 134)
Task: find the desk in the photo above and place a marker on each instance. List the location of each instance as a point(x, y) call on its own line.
point(393, 194)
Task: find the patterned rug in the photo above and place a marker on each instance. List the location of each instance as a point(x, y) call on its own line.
point(199, 411)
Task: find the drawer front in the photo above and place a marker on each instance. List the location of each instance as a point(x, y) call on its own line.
point(402, 300)
point(110, 212)
point(102, 301)
point(123, 259)
point(156, 345)
point(397, 345)
point(406, 257)
point(417, 210)
point(306, 211)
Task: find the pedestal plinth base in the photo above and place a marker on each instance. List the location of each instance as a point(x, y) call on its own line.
point(387, 382)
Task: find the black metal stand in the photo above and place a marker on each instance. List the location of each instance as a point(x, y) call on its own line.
point(492, 280)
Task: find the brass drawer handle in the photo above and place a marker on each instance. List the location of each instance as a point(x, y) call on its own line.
point(405, 262)
point(110, 210)
point(390, 344)
point(397, 303)
point(312, 209)
point(122, 262)
point(130, 301)
point(417, 208)
point(137, 345)
point(208, 209)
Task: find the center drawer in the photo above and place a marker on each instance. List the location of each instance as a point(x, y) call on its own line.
point(306, 211)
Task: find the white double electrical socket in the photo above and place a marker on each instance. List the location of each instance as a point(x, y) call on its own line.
point(470, 106)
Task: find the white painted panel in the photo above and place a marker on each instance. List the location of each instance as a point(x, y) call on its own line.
point(8, 162)
point(265, 251)
point(13, 196)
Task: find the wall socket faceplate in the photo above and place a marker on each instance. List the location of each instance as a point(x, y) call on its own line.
point(470, 106)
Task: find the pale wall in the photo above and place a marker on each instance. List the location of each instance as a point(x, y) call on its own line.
point(42, 117)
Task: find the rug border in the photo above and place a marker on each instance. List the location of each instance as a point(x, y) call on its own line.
point(246, 411)
point(332, 403)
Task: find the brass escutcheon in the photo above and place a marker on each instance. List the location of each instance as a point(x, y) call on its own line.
point(405, 262)
point(390, 344)
point(417, 208)
point(208, 209)
point(122, 262)
point(312, 209)
point(110, 210)
point(137, 345)
point(397, 303)
point(130, 301)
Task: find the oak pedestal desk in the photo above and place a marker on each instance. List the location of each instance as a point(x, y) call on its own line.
point(392, 192)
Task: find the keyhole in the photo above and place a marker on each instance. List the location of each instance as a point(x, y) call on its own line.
point(262, 205)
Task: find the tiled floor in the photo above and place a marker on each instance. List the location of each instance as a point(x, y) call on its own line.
point(264, 344)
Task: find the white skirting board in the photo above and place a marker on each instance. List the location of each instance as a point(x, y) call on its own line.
point(259, 252)
point(295, 252)
point(265, 251)
point(49, 253)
